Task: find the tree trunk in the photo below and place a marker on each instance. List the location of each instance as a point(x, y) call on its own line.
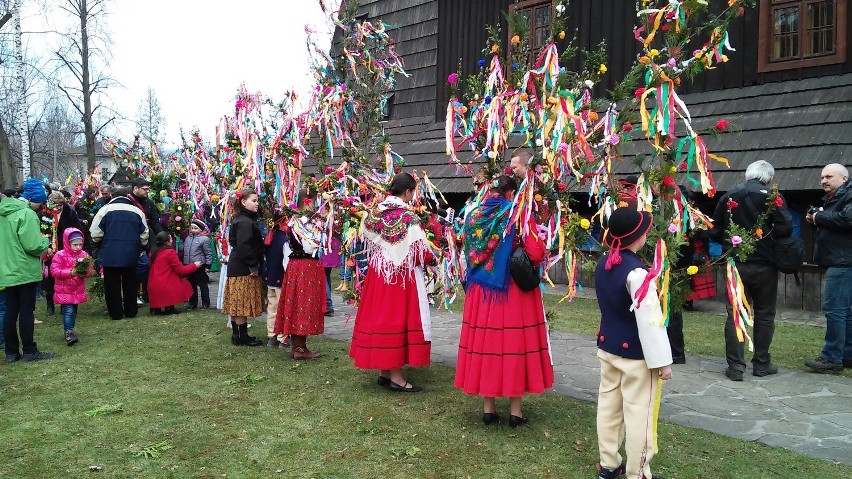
point(8, 176)
point(86, 87)
point(21, 104)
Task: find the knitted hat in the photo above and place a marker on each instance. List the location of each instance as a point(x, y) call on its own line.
point(200, 224)
point(75, 235)
point(34, 191)
point(624, 228)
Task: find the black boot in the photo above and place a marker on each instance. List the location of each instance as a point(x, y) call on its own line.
point(235, 333)
point(245, 339)
point(51, 309)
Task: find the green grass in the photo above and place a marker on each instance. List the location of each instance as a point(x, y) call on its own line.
point(704, 333)
point(169, 397)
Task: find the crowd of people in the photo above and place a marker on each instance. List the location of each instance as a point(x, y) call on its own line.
point(503, 349)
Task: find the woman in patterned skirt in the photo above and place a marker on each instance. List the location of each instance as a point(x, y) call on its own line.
point(302, 301)
point(503, 347)
point(393, 325)
point(244, 287)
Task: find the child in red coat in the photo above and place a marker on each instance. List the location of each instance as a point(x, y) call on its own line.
point(167, 285)
point(70, 268)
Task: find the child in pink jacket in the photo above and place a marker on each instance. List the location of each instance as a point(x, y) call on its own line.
point(70, 267)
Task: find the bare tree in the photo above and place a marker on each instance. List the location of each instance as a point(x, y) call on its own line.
point(87, 83)
point(150, 122)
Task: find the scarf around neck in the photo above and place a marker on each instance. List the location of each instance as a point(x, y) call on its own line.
point(395, 241)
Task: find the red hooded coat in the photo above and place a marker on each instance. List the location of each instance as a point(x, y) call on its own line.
point(69, 289)
point(166, 283)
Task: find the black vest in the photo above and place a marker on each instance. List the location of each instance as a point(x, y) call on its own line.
point(618, 333)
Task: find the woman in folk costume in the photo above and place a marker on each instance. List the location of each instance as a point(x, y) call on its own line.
point(393, 325)
point(302, 301)
point(503, 347)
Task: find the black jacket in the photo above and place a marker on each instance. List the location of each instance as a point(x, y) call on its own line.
point(779, 223)
point(149, 209)
point(833, 245)
point(246, 246)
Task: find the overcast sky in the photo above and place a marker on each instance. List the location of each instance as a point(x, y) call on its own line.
point(196, 53)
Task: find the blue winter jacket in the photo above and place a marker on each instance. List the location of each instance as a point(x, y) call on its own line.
point(121, 233)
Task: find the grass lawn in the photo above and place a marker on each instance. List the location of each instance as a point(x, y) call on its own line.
point(704, 333)
point(170, 397)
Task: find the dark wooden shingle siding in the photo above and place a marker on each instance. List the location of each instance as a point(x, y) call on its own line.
point(798, 120)
point(414, 27)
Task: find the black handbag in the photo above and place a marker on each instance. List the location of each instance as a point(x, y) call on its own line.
point(524, 272)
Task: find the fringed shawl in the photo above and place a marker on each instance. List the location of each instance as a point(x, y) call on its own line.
point(395, 241)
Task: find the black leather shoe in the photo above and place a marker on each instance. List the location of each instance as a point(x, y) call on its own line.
point(679, 360)
point(847, 363)
point(734, 375)
point(490, 418)
point(515, 421)
point(383, 381)
point(612, 474)
point(40, 356)
point(11, 358)
point(767, 370)
point(404, 388)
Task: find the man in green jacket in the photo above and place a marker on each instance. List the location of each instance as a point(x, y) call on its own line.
point(21, 248)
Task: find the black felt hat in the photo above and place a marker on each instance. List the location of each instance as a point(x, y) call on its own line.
point(626, 226)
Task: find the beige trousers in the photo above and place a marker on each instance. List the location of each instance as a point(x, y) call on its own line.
point(627, 411)
point(272, 295)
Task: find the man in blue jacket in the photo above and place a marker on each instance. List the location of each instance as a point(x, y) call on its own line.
point(833, 250)
point(121, 233)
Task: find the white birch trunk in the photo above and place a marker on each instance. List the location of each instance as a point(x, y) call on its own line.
point(21, 105)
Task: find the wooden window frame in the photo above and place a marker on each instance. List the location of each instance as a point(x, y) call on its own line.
point(530, 4)
point(765, 29)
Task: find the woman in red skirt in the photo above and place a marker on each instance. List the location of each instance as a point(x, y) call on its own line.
point(503, 347)
point(302, 302)
point(393, 325)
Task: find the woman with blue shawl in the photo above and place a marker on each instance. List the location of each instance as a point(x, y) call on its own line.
point(503, 348)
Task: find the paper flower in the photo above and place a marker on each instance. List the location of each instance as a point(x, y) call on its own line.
point(560, 8)
point(602, 69)
point(672, 228)
point(178, 218)
point(481, 63)
point(779, 202)
point(453, 79)
point(736, 240)
point(672, 62)
point(732, 204)
point(692, 270)
point(562, 33)
point(722, 125)
point(516, 39)
point(585, 224)
point(758, 232)
point(639, 91)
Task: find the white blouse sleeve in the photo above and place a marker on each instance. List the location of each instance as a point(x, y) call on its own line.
point(652, 334)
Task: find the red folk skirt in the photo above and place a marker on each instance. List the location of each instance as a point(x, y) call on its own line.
point(503, 348)
point(703, 284)
point(388, 333)
point(302, 301)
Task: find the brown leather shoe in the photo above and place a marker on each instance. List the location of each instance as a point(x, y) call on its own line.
point(301, 352)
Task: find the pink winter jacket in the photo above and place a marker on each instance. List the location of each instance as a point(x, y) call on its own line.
point(69, 289)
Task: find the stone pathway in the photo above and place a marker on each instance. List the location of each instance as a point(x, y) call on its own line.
point(804, 412)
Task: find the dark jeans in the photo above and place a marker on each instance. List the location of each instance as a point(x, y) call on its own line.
point(837, 305)
point(120, 287)
point(199, 280)
point(2, 315)
point(675, 333)
point(760, 283)
point(20, 315)
point(48, 285)
point(69, 316)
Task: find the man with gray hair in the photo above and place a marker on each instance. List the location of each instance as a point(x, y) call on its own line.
point(744, 205)
point(833, 250)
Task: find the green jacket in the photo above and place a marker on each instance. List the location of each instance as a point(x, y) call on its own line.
point(21, 244)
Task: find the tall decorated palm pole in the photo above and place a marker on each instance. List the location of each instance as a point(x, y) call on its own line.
point(579, 138)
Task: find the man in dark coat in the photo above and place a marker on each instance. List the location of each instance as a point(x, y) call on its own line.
point(120, 230)
point(758, 271)
point(833, 250)
point(141, 188)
